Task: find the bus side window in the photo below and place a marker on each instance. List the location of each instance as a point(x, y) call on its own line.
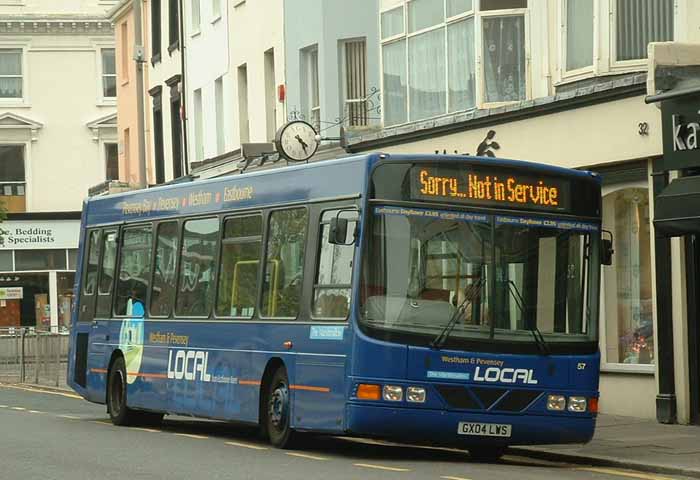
point(238, 272)
point(92, 264)
point(195, 292)
point(284, 264)
point(134, 271)
point(109, 263)
point(334, 271)
point(163, 288)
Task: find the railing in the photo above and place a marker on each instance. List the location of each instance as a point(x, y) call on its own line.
point(28, 355)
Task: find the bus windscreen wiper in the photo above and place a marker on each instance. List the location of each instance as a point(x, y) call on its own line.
point(470, 294)
point(537, 335)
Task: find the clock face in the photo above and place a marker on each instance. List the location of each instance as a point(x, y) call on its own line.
point(296, 141)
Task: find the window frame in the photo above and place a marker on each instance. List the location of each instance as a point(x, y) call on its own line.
point(266, 237)
point(22, 100)
point(259, 275)
point(86, 262)
point(479, 85)
point(605, 365)
point(105, 148)
point(195, 20)
point(174, 32)
point(103, 76)
point(104, 233)
point(583, 72)
point(317, 261)
point(156, 31)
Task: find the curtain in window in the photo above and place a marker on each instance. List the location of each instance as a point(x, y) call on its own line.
point(11, 74)
point(425, 13)
point(504, 58)
point(460, 61)
point(392, 22)
point(640, 22)
point(394, 72)
point(427, 72)
point(579, 34)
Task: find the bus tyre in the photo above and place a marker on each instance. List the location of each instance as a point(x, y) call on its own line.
point(277, 410)
point(486, 454)
point(119, 413)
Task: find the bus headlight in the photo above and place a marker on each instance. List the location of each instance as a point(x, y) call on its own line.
point(415, 394)
point(577, 404)
point(392, 393)
point(556, 403)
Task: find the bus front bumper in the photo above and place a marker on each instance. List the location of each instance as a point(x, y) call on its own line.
point(444, 427)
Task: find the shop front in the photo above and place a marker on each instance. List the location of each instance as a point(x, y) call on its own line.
point(37, 270)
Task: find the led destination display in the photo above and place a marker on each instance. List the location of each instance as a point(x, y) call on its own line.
point(489, 188)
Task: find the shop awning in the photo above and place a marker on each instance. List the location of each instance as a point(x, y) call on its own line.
point(677, 208)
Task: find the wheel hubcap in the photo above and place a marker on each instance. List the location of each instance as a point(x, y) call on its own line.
point(278, 406)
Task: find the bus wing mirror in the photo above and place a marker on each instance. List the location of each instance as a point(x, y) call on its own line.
point(338, 232)
point(606, 249)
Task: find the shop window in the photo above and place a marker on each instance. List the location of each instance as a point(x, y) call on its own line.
point(197, 264)
point(334, 274)
point(164, 276)
point(72, 259)
point(240, 258)
point(640, 22)
point(109, 73)
point(627, 283)
point(11, 81)
point(6, 261)
point(284, 265)
point(26, 260)
point(134, 272)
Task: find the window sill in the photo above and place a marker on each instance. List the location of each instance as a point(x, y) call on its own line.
point(216, 19)
point(125, 83)
point(628, 368)
point(196, 33)
point(155, 59)
point(174, 46)
point(238, 3)
point(14, 103)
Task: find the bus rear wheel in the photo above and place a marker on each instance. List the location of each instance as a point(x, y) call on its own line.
point(278, 410)
point(486, 454)
point(119, 413)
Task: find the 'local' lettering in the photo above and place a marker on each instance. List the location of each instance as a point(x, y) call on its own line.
point(189, 365)
point(505, 375)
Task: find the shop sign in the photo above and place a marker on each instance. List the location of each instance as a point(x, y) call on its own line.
point(39, 235)
point(11, 293)
point(681, 128)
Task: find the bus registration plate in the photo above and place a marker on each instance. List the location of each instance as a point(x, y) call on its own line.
point(484, 429)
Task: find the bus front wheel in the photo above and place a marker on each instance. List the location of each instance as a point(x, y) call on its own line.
point(119, 413)
point(277, 410)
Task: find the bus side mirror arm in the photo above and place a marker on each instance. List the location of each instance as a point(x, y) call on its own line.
point(338, 231)
point(606, 249)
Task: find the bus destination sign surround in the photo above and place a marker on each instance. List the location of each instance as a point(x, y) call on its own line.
point(489, 188)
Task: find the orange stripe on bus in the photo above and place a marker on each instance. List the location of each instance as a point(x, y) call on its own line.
point(98, 370)
point(148, 375)
point(249, 382)
point(310, 389)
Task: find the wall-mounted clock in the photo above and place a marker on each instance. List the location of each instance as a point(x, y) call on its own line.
point(296, 141)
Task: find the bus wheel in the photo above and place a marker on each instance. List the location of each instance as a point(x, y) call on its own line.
point(486, 454)
point(278, 410)
point(119, 413)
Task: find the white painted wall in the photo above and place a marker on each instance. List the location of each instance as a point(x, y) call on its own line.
point(326, 23)
point(66, 157)
point(256, 26)
point(207, 59)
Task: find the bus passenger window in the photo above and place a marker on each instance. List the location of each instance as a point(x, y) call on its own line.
point(109, 264)
point(195, 293)
point(284, 265)
point(240, 257)
point(92, 264)
point(333, 278)
point(163, 288)
point(134, 272)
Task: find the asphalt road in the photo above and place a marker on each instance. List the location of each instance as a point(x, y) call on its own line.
point(57, 435)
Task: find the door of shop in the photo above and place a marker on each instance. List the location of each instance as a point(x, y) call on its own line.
point(693, 288)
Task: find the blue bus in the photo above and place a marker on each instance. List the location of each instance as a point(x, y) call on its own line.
point(426, 298)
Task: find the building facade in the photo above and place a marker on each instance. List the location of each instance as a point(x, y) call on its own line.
point(58, 137)
point(561, 82)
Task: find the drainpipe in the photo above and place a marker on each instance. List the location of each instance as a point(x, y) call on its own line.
point(183, 84)
point(139, 58)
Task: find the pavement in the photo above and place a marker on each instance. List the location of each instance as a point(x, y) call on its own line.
point(621, 442)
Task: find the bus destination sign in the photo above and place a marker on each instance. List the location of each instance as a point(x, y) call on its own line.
point(489, 188)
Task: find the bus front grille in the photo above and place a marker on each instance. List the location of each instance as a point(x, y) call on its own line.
point(484, 398)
